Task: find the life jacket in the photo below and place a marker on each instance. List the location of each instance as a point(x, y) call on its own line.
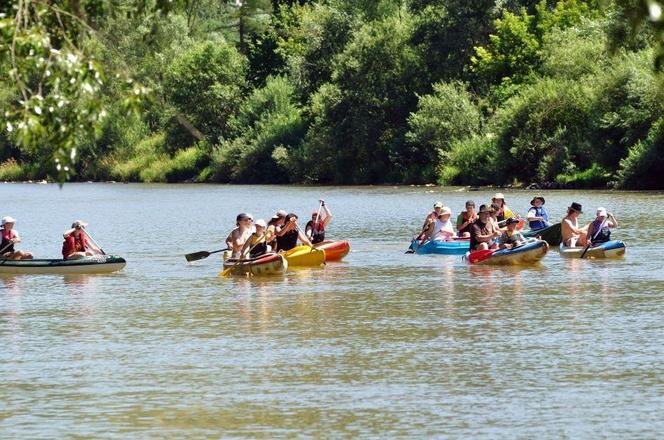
point(602, 235)
point(317, 231)
point(539, 212)
point(72, 244)
point(287, 241)
point(464, 217)
point(6, 236)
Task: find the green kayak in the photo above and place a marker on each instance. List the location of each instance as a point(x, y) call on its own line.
point(551, 234)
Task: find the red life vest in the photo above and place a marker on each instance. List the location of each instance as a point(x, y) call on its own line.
point(72, 244)
point(6, 236)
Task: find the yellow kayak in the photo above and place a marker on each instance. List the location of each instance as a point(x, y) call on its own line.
point(304, 256)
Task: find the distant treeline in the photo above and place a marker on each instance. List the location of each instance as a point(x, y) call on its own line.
point(461, 92)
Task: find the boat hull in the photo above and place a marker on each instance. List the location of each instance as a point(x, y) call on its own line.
point(265, 265)
point(304, 256)
point(610, 249)
point(97, 264)
point(334, 250)
point(456, 247)
point(529, 253)
point(551, 234)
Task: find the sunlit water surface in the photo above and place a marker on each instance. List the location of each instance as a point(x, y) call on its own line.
point(382, 345)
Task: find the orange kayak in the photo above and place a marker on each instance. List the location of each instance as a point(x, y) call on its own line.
point(334, 250)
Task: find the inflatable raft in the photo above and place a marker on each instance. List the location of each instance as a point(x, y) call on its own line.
point(334, 250)
point(264, 265)
point(455, 247)
point(90, 265)
point(610, 249)
point(304, 256)
point(529, 253)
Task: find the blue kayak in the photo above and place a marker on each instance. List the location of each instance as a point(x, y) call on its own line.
point(456, 247)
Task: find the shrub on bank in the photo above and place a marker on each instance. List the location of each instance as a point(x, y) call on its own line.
point(643, 167)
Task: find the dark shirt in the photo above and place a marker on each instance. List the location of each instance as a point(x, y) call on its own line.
point(479, 228)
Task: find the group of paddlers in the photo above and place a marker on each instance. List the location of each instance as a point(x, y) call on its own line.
point(76, 244)
point(251, 239)
point(496, 226)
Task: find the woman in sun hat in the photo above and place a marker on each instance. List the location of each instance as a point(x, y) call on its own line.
point(538, 218)
point(504, 212)
point(572, 234)
point(9, 238)
point(442, 228)
point(598, 231)
point(76, 244)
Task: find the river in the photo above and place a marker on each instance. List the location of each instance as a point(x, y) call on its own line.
point(384, 344)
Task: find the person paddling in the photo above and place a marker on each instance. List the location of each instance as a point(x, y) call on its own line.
point(504, 212)
point(315, 228)
point(538, 218)
point(483, 231)
point(573, 235)
point(441, 229)
point(288, 235)
point(466, 219)
point(76, 244)
point(9, 238)
point(240, 234)
point(598, 231)
point(256, 245)
point(430, 218)
point(511, 238)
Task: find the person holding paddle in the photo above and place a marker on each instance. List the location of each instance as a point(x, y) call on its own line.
point(288, 234)
point(598, 231)
point(256, 245)
point(483, 231)
point(315, 228)
point(76, 244)
point(9, 238)
point(238, 236)
point(442, 229)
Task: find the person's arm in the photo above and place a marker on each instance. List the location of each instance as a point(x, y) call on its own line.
point(286, 228)
point(303, 238)
point(531, 215)
point(309, 230)
point(613, 223)
point(89, 244)
point(68, 232)
point(328, 214)
point(245, 248)
point(17, 238)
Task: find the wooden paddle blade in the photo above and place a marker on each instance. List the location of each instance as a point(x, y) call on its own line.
point(197, 256)
point(225, 272)
point(477, 256)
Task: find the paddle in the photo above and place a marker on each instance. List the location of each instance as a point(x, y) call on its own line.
point(94, 241)
point(477, 256)
point(594, 236)
point(202, 254)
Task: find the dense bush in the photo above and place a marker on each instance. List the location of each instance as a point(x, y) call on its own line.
point(442, 118)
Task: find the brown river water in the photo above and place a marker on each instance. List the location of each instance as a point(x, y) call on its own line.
point(384, 344)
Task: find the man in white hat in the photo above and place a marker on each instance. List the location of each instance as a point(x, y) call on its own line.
point(9, 238)
point(430, 219)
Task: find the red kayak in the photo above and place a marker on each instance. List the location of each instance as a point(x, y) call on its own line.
point(334, 250)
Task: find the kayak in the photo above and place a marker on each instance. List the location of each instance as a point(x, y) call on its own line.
point(610, 249)
point(455, 247)
point(304, 256)
point(551, 234)
point(334, 250)
point(529, 253)
point(264, 265)
point(94, 264)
